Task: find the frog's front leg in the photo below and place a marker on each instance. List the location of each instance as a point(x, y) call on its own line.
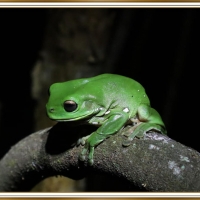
point(113, 124)
point(150, 120)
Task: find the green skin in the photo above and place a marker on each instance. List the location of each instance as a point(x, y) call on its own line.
point(108, 101)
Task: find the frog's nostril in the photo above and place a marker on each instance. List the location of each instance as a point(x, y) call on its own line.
point(51, 110)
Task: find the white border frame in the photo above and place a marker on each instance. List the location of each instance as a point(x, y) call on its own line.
point(99, 5)
point(101, 195)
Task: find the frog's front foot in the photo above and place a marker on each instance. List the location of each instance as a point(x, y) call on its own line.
point(85, 142)
point(89, 145)
point(91, 142)
point(82, 156)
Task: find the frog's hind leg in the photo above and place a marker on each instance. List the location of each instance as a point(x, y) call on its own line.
point(140, 131)
point(150, 120)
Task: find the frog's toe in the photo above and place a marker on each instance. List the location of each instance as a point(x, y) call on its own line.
point(127, 131)
point(140, 134)
point(78, 142)
point(90, 157)
point(91, 161)
point(127, 142)
point(82, 154)
point(135, 134)
point(82, 140)
point(81, 157)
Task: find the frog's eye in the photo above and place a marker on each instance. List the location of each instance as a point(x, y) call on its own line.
point(70, 105)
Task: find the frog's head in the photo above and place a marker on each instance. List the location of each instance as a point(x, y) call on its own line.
point(67, 102)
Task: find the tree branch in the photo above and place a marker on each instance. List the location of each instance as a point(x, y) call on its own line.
point(155, 163)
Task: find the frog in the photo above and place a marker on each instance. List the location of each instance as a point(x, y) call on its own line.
point(108, 101)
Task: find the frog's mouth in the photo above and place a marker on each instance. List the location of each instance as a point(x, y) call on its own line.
point(85, 117)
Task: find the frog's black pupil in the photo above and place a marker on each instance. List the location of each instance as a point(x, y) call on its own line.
point(70, 106)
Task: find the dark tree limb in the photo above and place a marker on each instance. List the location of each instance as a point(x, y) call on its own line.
point(155, 163)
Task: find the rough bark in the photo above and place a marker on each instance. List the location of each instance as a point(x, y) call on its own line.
point(155, 163)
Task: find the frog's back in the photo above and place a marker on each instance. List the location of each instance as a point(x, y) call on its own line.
point(125, 91)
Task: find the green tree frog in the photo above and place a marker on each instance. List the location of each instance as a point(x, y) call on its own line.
point(109, 101)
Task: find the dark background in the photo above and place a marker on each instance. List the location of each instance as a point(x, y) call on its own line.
point(161, 44)
point(20, 38)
